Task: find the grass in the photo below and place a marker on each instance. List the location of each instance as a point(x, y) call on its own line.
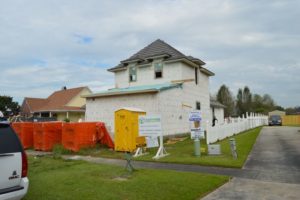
point(97, 151)
point(57, 179)
point(182, 152)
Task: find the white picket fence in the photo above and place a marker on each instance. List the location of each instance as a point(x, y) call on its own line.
point(233, 126)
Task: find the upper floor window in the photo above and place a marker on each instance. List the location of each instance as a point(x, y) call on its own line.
point(196, 75)
point(132, 73)
point(198, 105)
point(158, 70)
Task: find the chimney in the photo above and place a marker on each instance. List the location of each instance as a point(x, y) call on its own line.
point(64, 88)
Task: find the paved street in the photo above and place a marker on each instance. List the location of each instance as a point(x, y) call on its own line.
point(276, 160)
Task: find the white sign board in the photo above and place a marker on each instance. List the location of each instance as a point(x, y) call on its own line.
point(197, 133)
point(149, 125)
point(152, 142)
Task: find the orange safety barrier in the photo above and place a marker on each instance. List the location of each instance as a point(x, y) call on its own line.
point(38, 136)
point(46, 135)
point(25, 132)
point(79, 135)
point(103, 135)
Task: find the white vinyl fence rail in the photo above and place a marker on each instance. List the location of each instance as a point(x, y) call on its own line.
point(233, 126)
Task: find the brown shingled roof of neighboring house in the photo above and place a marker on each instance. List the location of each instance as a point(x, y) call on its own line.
point(57, 101)
point(34, 103)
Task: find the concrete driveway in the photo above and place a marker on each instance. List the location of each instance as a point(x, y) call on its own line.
point(276, 160)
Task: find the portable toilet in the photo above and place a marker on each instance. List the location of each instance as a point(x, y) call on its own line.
point(126, 128)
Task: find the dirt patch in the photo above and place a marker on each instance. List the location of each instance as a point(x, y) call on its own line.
point(175, 140)
point(120, 179)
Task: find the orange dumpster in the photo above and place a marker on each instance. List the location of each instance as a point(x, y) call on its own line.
point(79, 135)
point(46, 135)
point(25, 132)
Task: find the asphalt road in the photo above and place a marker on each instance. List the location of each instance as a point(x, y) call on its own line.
point(276, 160)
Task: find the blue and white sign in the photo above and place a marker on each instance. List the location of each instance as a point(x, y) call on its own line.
point(195, 116)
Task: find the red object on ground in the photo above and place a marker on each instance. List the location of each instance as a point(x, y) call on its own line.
point(46, 135)
point(103, 135)
point(79, 135)
point(25, 132)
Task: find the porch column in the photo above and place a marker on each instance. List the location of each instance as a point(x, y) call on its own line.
point(50, 114)
point(67, 115)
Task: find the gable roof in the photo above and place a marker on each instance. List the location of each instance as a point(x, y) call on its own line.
point(160, 49)
point(58, 100)
point(135, 90)
point(34, 104)
point(156, 48)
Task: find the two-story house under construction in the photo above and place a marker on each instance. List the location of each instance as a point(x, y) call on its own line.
point(159, 80)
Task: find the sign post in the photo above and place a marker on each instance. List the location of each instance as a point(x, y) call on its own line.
point(150, 126)
point(196, 131)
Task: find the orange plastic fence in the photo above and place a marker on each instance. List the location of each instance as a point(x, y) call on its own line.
point(103, 135)
point(73, 136)
point(46, 135)
point(38, 136)
point(25, 132)
point(79, 135)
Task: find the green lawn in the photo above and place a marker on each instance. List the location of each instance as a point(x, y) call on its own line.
point(182, 152)
point(57, 179)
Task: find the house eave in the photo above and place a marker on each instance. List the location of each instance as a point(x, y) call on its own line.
point(119, 93)
point(58, 111)
point(117, 69)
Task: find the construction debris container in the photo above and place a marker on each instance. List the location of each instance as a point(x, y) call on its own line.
point(25, 132)
point(126, 128)
point(76, 136)
point(46, 135)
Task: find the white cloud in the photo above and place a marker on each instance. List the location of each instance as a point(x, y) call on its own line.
point(244, 42)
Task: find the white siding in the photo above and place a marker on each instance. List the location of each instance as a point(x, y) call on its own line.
point(145, 75)
point(173, 105)
point(103, 109)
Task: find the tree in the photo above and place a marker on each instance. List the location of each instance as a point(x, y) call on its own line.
point(8, 106)
point(239, 102)
point(264, 104)
point(244, 101)
point(247, 99)
point(225, 97)
point(293, 111)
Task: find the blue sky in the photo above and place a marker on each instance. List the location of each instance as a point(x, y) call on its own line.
point(45, 45)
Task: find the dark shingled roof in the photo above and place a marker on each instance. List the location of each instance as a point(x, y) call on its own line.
point(157, 48)
point(216, 104)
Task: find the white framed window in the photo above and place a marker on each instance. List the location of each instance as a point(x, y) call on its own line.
point(132, 74)
point(158, 70)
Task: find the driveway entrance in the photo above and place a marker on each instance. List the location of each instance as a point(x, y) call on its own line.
point(275, 159)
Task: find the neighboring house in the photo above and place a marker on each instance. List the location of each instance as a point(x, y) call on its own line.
point(277, 112)
point(159, 80)
point(62, 104)
point(217, 110)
